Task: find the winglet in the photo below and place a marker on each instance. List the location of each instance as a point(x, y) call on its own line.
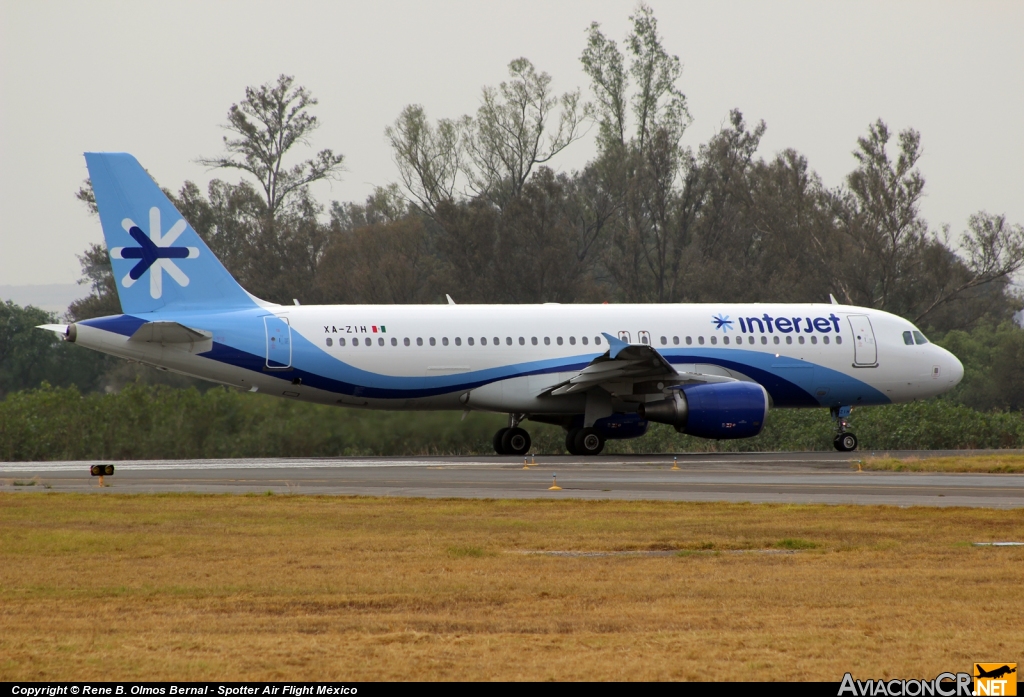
point(615, 345)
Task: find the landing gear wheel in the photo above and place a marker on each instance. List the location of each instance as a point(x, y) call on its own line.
point(496, 442)
point(515, 441)
point(589, 442)
point(845, 442)
point(570, 441)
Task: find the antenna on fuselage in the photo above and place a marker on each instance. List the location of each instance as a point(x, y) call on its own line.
point(833, 299)
point(450, 301)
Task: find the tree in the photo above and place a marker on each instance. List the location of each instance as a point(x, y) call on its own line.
point(508, 137)
point(429, 159)
point(269, 122)
point(880, 214)
point(30, 356)
point(494, 153)
point(992, 251)
point(649, 229)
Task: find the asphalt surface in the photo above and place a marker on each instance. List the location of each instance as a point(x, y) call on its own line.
point(755, 477)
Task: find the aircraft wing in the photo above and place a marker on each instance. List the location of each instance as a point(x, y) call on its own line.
point(629, 363)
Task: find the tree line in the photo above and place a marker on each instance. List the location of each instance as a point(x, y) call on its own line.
point(479, 212)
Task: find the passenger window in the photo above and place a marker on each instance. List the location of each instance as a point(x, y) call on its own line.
point(597, 340)
point(789, 340)
point(572, 341)
point(801, 340)
point(405, 341)
point(839, 339)
point(714, 340)
point(444, 341)
point(522, 341)
point(700, 340)
point(824, 339)
point(533, 341)
point(394, 341)
point(725, 340)
point(908, 338)
point(419, 341)
point(764, 339)
point(814, 339)
point(775, 339)
point(919, 338)
point(329, 342)
point(380, 341)
point(458, 341)
point(469, 341)
point(675, 340)
point(508, 340)
point(558, 341)
point(664, 341)
point(341, 342)
point(368, 341)
point(547, 341)
point(584, 340)
point(689, 341)
point(433, 342)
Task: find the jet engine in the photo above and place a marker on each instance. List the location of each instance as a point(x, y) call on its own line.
point(712, 410)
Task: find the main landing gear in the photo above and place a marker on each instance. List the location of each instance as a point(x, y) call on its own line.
point(845, 441)
point(512, 440)
point(584, 441)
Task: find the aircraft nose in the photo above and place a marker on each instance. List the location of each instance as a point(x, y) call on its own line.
point(956, 369)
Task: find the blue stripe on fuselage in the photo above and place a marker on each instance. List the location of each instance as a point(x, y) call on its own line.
point(789, 381)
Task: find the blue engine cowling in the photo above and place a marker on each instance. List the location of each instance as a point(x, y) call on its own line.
point(617, 426)
point(713, 410)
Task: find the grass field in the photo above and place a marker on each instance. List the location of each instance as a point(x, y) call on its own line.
point(189, 587)
point(991, 464)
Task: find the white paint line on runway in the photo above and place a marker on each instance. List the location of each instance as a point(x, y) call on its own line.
point(309, 463)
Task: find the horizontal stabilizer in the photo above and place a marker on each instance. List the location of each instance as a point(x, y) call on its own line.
point(169, 333)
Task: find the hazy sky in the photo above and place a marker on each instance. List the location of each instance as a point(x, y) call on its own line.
point(156, 79)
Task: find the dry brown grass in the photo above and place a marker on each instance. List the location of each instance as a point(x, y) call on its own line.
point(991, 464)
point(190, 587)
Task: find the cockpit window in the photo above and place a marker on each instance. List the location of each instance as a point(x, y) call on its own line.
point(908, 339)
point(919, 338)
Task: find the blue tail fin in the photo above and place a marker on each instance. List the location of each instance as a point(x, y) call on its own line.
point(159, 261)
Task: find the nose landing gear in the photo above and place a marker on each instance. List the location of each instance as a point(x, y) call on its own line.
point(844, 441)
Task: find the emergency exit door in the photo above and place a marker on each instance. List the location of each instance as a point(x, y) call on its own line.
point(279, 342)
point(865, 353)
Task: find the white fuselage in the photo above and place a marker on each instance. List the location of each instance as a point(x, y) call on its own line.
point(503, 357)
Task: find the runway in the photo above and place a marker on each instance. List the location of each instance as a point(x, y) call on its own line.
point(830, 478)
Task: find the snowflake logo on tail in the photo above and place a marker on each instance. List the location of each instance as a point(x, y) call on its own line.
point(155, 253)
point(722, 322)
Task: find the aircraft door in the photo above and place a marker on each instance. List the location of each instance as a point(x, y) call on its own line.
point(865, 352)
point(624, 336)
point(279, 342)
point(645, 338)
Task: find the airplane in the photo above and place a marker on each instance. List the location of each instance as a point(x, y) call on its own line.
point(599, 371)
point(996, 673)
